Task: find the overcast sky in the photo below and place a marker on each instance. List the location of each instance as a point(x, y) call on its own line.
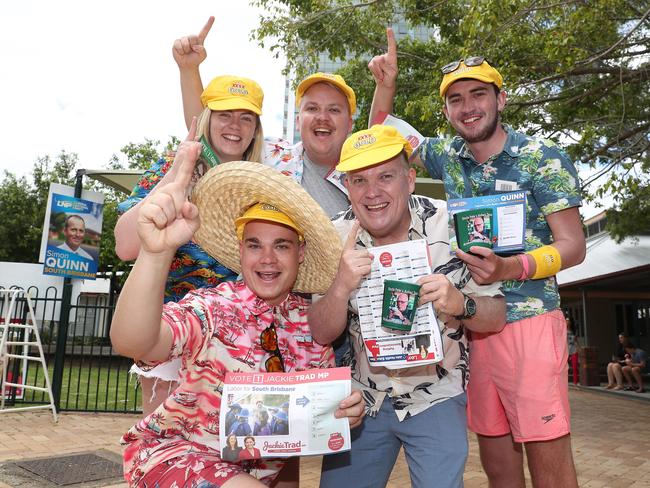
point(90, 77)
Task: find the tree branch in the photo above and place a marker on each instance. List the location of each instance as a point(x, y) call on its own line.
point(570, 99)
point(586, 71)
point(613, 46)
point(619, 138)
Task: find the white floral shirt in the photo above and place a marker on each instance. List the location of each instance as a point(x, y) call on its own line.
point(413, 390)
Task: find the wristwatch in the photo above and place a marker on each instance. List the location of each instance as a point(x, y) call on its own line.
point(469, 308)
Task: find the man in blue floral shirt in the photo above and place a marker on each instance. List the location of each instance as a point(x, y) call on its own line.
point(518, 392)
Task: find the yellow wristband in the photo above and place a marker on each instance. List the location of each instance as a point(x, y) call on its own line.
point(548, 261)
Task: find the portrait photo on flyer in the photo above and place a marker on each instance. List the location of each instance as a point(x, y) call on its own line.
point(497, 222)
point(393, 327)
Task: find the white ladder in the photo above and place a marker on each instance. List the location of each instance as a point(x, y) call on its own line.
point(9, 349)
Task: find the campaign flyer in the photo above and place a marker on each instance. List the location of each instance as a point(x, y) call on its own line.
point(496, 221)
point(414, 344)
point(285, 414)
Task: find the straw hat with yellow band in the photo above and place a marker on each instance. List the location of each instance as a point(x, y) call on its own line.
point(475, 68)
point(372, 146)
point(335, 80)
point(228, 193)
point(233, 93)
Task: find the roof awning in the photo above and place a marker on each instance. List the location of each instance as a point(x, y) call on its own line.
point(125, 180)
point(605, 258)
point(121, 180)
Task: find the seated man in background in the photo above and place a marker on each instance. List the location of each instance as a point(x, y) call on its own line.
point(635, 366)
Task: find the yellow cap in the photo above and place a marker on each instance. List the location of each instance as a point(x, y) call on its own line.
point(268, 213)
point(372, 146)
point(483, 72)
point(233, 93)
point(336, 80)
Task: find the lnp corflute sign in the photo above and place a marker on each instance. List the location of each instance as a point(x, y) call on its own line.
point(72, 234)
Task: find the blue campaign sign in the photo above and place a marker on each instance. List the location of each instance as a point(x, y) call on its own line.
point(73, 238)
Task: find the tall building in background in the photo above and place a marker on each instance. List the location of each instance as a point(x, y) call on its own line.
point(289, 130)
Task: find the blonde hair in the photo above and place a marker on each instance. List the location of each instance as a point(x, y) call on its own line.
point(254, 150)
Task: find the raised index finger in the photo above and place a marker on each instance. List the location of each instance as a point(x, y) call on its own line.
point(392, 45)
point(187, 157)
point(206, 29)
point(191, 135)
point(351, 240)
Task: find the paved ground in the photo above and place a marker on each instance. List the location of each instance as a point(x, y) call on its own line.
point(611, 442)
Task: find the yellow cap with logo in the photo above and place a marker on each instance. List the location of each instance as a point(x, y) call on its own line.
point(469, 68)
point(267, 213)
point(372, 146)
point(233, 93)
point(335, 80)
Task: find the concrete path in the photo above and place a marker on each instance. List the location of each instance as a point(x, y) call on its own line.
point(611, 442)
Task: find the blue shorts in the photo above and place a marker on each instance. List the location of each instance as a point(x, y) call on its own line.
point(435, 445)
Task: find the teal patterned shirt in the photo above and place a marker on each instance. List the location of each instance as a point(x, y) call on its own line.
point(537, 166)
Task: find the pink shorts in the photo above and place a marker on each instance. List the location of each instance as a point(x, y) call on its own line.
point(518, 380)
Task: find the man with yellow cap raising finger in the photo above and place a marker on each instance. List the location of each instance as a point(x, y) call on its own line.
point(421, 409)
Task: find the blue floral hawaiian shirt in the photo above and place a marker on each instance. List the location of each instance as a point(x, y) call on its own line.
point(536, 166)
point(192, 267)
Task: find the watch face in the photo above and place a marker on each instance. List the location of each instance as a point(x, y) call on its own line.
point(470, 307)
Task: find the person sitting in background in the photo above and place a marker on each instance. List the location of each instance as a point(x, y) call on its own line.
point(615, 367)
point(635, 366)
point(623, 341)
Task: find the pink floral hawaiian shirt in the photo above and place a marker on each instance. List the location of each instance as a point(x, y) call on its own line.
point(216, 330)
point(284, 157)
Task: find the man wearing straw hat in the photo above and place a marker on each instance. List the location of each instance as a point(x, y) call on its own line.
point(257, 222)
point(422, 408)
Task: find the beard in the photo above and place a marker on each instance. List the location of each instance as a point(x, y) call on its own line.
point(483, 134)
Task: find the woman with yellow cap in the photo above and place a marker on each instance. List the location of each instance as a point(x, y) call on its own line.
point(231, 130)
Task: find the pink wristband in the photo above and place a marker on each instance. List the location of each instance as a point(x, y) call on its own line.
point(523, 259)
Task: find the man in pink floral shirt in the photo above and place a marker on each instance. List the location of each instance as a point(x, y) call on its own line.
point(280, 244)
